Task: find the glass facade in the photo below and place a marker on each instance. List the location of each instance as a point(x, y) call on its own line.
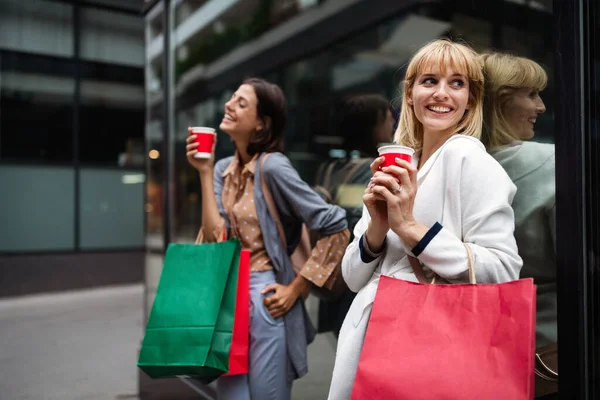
point(155, 148)
point(71, 128)
point(49, 93)
point(372, 58)
point(370, 61)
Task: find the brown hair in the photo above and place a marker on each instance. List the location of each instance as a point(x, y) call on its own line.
point(359, 116)
point(271, 108)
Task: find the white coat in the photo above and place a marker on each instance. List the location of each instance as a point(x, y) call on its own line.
point(470, 195)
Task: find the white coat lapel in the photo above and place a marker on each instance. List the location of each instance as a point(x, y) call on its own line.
point(424, 171)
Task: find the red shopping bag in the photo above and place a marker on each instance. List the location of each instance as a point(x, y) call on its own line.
point(461, 341)
point(238, 355)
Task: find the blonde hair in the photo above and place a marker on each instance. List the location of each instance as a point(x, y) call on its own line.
point(443, 54)
point(505, 74)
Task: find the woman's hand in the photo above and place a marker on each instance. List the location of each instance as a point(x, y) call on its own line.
point(203, 165)
point(283, 298)
point(375, 203)
point(398, 186)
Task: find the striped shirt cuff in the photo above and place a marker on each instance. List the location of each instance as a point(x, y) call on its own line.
point(366, 254)
point(431, 233)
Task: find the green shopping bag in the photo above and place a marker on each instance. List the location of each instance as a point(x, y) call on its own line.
point(190, 326)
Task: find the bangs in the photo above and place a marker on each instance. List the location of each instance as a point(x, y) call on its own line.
point(506, 70)
point(443, 57)
point(532, 75)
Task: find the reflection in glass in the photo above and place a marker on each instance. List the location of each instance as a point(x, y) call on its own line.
point(111, 212)
point(187, 200)
point(155, 149)
point(36, 208)
point(112, 37)
point(37, 26)
point(111, 123)
point(513, 104)
point(37, 117)
point(154, 185)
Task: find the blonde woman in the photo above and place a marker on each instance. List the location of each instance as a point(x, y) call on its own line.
point(452, 193)
point(513, 103)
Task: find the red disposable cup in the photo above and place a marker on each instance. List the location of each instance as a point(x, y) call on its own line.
point(205, 137)
point(393, 151)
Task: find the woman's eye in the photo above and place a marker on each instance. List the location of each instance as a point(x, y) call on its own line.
point(429, 81)
point(534, 94)
point(458, 83)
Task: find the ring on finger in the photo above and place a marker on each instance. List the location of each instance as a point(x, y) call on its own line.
point(397, 189)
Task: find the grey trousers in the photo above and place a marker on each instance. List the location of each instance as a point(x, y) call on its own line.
point(267, 378)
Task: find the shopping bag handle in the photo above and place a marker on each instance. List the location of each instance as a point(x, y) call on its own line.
point(270, 202)
point(418, 268)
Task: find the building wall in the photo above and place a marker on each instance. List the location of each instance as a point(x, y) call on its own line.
point(71, 146)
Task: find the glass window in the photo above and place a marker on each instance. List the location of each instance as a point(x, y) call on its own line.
point(154, 206)
point(111, 37)
point(111, 123)
point(111, 209)
point(37, 26)
point(534, 40)
point(476, 32)
point(36, 111)
point(307, 85)
point(188, 211)
point(155, 149)
point(36, 208)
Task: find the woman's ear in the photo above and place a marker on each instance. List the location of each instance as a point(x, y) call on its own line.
point(263, 124)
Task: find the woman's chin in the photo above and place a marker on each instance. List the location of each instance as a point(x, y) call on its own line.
point(225, 128)
point(527, 135)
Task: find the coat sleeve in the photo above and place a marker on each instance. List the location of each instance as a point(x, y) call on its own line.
point(488, 224)
point(291, 193)
point(359, 262)
point(287, 187)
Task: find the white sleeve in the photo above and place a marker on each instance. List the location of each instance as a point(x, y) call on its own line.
point(355, 270)
point(488, 224)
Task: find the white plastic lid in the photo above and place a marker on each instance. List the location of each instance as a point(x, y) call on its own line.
point(203, 129)
point(395, 148)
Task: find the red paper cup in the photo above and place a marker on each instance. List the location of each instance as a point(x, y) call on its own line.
point(393, 151)
point(205, 137)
